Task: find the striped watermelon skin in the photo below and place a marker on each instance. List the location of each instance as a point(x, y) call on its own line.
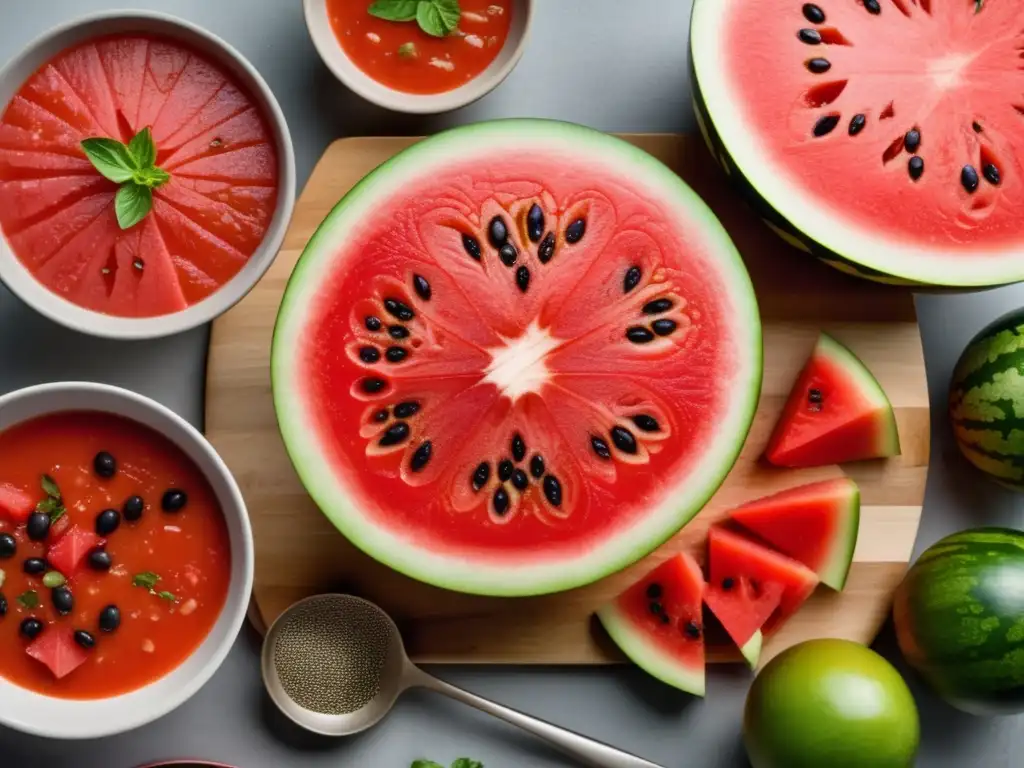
point(986, 400)
point(959, 617)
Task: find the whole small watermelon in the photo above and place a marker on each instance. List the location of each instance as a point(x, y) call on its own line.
point(986, 400)
point(959, 616)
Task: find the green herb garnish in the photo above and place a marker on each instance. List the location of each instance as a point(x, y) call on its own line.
point(29, 599)
point(50, 487)
point(168, 596)
point(134, 168)
point(53, 504)
point(408, 51)
point(146, 579)
point(437, 18)
point(53, 579)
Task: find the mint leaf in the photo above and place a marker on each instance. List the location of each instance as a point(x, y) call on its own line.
point(52, 507)
point(168, 596)
point(394, 10)
point(111, 158)
point(29, 599)
point(131, 204)
point(142, 149)
point(146, 579)
point(465, 762)
point(438, 17)
point(425, 764)
point(151, 177)
point(50, 487)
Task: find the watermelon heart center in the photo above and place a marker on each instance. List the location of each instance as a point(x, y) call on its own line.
point(519, 366)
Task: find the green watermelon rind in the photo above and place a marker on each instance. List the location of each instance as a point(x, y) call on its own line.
point(501, 578)
point(751, 651)
point(648, 654)
point(810, 225)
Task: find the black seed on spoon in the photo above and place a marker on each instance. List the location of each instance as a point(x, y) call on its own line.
point(520, 480)
point(915, 167)
point(397, 309)
point(552, 490)
point(664, 326)
point(873, 7)
point(480, 475)
point(857, 123)
point(497, 232)
point(421, 456)
point(692, 629)
point(574, 232)
point(500, 501)
point(639, 335)
point(535, 223)
point(654, 591)
point(472, 246)
point(912, 140)
point(372, 323)
point(631, 279)
point(657, 306)
point(809, 36)
point(646, 423)
point(396, 354)
point(813, 13)
point(623, 439)
point(819, 66)
point(406, 409)
point(537, 466)
point(969, 178)
point(395, 434)
point(547, 248)
point(523, 278)
point(398, 332)
point(505, 468)
point(421, 286)
point(372, 385)
point(518, 447)
point(825, 125)
point(369, 354)
point(600, 447)
point(991, 174)
point(381, 416)
point(508, 254)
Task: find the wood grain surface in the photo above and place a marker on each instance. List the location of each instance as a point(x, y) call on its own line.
point(299, 552)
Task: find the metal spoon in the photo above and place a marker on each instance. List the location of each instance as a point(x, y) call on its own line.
point(335, 665)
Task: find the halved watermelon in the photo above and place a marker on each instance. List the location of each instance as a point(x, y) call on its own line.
point(742, 607)
point(880, 135)
point(658, 623)
point(516, 358)
point(70, 550)
point(734, 559)
point(15, 504)
point(816, 523)
point(836, 412)
point(57, 649)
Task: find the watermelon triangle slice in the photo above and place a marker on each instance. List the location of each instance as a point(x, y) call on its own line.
point(742, 608)
point(658, 623)
point(836, 412)
point(816, 523)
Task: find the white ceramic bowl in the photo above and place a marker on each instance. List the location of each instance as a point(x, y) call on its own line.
point(341, 65)
point(31, 712)
point(20, 281)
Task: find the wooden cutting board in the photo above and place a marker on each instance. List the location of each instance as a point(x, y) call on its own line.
point(298, 552)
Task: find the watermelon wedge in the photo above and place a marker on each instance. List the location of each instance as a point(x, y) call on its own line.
point(816, 524)
point(70, 550)
point(657, 623)
point(15, 504)
point(836, 412)
point(57, 649)
point(742, 607)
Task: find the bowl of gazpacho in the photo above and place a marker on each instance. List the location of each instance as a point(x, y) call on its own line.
point(147, 175)
point(126, 560)
point(420, 56)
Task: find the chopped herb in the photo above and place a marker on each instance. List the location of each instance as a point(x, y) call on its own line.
point(146, 579)
point(437, 18)
point(168, 596)
point(29, 599)
point(53, 504)
point(53, 579)
point(407, 50)
point(50, 487)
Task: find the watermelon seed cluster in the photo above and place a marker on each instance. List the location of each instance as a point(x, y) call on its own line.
point(509, 471)
point(663, 326)
point(654, 592)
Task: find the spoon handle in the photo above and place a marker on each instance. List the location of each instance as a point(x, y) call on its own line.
point(589, 752)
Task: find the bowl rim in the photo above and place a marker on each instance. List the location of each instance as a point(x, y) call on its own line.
point(352, 77)
point(138, 710)
point(63, 312)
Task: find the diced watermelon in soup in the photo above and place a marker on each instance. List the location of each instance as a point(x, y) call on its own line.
point(57, 211)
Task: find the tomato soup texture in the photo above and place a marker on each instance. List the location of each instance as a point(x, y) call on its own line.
point(166, 573)
point(57, 211)
point(404, 57)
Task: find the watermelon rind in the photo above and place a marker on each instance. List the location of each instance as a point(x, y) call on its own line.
point(751, 651)
point(499, 577)
point(648, 654)
point(821, 229)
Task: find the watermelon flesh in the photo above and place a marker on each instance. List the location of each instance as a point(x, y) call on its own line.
point(15, 504)
point(658, 624)
point(816, 524)
point(70, 550)
point(742, 607)
point(836, 412)
point(57, 649)
point(516, 358)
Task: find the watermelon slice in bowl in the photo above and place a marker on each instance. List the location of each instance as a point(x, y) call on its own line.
point(879, 136)
point(516, 358)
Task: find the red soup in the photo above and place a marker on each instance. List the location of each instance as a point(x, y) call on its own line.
point(402, 56)
point(57, 212)
point(115, 556)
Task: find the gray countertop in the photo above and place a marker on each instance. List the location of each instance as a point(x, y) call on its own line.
point(611, 64)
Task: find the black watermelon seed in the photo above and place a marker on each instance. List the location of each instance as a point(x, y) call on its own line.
point(873, 6)
point(547, 248)
point(969, 178)
point(31, 627)
point(397, 309)
point(372, 385)
point(976, 126)
point(381, 416)
point(518, 447)
point(623, 439)
point(654, 591)
point(407, 409)
point(396, 354)
point(656, 608)
point(657, 306)
point(107, 521)
point(421, 456)
point(664, 326)
point(537, 466)
point(535, 223)
point(857, 123)
point(915, 167)
point(472, 246)
point(814, 395)
point(500, 501)
point(665, 619)
point(639, 335)
point(104, 464)
point(728, 583)
point(819, 66)
point(575, 231)
point(395, 434)
point(809, 36)
point(813, 13)
point(398, 332)
point(421, 286)
point(34, 566)
point(173, 500)
point(8, 546)
point(552, 490)
point(132, 508)
point(38, 527)
point(372, 322)
point(508, 254)
point(631, 279)
point(520, 480)
point(369, 354)
point(497, 232)
point(505, 468)
point(825, 125)
point(84, 639)
point(991, 174)
point(912, 140)
point(110, 618)
point(99, 559)
point(600, 447)
point(62, 599)
point(480, 475)
point(692, 629)
point(523, 278)
point(646, 423)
